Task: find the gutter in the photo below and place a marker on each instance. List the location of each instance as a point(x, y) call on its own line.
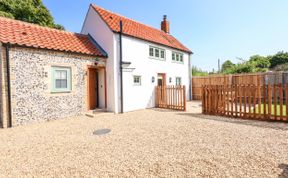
point(8, 83)
point(121, 59)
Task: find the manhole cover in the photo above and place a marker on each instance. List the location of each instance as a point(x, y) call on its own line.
point(101, 131)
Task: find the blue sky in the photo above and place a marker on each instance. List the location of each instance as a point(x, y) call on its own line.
point(222, 29)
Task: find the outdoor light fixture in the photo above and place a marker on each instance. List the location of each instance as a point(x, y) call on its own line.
point(125, 64)
point(170, 79)
point(153, 79)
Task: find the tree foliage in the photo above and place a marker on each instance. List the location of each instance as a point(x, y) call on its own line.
point(256, 63)
point(32, 11)
point(227, 66)
point(278, 59)
point(198, 72)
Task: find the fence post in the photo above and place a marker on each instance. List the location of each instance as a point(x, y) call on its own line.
point(281, 101)
point(184, 97)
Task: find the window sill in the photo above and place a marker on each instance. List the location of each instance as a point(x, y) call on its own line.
point(155, 58)
point(177, 62)
point(59, 92)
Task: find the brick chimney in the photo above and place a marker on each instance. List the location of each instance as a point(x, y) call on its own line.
point(165, 26)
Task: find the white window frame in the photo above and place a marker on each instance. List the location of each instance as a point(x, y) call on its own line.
point(139, 83)
point(178, 57)
point(177, 81)
point(160, 50)
point(55, 69)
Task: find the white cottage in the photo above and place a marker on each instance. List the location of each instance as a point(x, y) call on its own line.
point(148, 57)
point(48, 74)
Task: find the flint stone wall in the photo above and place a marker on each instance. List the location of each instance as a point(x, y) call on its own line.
point(31, 84)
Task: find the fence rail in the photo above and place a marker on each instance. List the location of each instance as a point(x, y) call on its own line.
point(237, 79)
point(171, 97)
point(261, 102)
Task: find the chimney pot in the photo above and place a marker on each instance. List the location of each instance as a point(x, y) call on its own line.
point(165, 26)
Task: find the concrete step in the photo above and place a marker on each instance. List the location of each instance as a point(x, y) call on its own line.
point(96, 112)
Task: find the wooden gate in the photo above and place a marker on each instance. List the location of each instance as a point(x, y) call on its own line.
point(171, 97)
point(261, 102)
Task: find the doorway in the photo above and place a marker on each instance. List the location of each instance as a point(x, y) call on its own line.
point(161, 79)
point(96, 88)
point(93, 94)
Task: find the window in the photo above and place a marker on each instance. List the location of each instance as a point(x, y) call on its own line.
point(177, 57)
point(151, 52)
point(137, 80)
point(178, 81)
point(173, 56)
point(61, 79)
point(157, 53)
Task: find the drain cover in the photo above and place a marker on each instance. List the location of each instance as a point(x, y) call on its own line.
point(101, 131)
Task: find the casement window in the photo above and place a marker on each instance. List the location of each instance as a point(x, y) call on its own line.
point(137, 80)
point(178, 81)
point(61, 79)
point(177, 57)
point(157, 53)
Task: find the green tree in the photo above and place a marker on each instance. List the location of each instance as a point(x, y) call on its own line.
point(279, 59)
point(227, 66)
point(260, 61)
point(244, 68)
point(32, 11)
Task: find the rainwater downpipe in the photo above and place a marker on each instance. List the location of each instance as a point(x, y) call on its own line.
point(8, 83)
point(121, 72)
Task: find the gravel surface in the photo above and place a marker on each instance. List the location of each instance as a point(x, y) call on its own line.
point(148, 143)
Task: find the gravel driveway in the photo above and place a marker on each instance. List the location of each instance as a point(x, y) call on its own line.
point(148, 143)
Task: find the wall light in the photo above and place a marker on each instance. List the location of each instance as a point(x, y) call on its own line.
point(153, 79)
point(170, 79)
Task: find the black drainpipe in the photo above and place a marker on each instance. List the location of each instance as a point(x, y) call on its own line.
point(8, 82)
point(121, 59)
point(1, 104)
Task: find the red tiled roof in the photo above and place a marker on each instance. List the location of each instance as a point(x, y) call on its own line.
point(31, 35)
point(138, 30)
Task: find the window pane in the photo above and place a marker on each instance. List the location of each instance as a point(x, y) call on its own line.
point(137, 80)
point(61, 83)
point(162, 54)
point(156, 52)
point(60, 74)
point(181, 57)
point(57, 74)
point(58, 83)
point(63, 74)
point(151, 52)
point(173, 56)
point(177, 57)
point(178, 80)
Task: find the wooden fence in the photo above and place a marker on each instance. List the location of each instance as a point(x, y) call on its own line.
point(171, 97)
point(237, 79)
point(261, 102)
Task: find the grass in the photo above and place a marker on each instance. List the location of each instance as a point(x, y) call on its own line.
point(272, 109)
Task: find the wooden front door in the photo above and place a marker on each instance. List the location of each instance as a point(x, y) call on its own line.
point(92, 89)
point(161, 79)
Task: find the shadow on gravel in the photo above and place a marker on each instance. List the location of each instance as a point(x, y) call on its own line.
point(284, 167)
point(263, 124)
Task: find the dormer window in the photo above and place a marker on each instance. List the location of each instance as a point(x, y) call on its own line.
point(157, 53)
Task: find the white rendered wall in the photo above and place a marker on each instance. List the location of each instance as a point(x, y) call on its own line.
point(137, 52)
point(97, 28)
point(101, 88)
